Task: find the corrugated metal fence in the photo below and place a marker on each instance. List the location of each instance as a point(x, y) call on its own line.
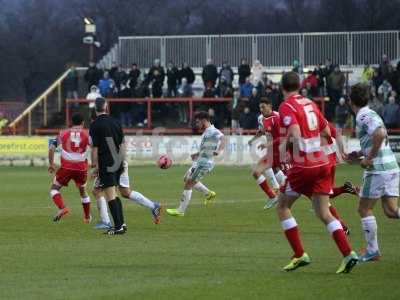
point(273, 50)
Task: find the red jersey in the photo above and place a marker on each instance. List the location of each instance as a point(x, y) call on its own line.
point(329, 145)
point(271, 126)
point(74, 143)
point(298, 110)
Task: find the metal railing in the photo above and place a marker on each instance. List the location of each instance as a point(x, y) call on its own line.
point(273, 50)
point(39, 112)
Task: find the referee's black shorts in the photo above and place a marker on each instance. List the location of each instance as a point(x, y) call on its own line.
point(107, 178)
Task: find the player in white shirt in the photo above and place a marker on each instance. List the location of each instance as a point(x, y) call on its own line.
point(212, 144)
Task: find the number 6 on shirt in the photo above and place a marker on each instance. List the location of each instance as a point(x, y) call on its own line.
point(312, 120)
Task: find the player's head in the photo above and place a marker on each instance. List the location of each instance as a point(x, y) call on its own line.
point(359, 96)
point(202, 120)
point(265, 107)
point(290, 82)
point(77, 119)
point(100, 106)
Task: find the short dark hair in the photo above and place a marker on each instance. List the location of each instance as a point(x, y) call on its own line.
point(77, 119)
point(99, 104)
point(359, 95)
point(202, 115)
point(265, 100)
point(290, 82)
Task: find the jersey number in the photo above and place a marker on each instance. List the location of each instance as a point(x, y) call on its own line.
point(76, 138)
point(312, 120)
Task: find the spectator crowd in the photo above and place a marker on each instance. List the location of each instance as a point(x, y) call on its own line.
point(326, 81)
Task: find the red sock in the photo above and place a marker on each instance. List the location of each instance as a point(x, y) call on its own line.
point(341, 242)
point(86, 209)
point(293, 237)
point(58, 200)
point(337, 191)
point(334, 213)
point(262, 182)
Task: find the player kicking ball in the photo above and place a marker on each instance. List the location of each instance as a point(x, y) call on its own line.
point(126, 192)
point(381, 175)
point(73, 143)
point(212, 144)
point(268, 169)
point(310, 174)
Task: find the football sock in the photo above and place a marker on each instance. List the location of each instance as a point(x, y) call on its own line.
point(337, 191)
point(280, 177)
point(334, 213)
point(57, 199)
point(293, 236)
point(338, 235)
point(120, 210)
point(86, 207)
point(262, 182)
point(201, 188)
point(141, 199)
point(269, 173)
point(185, 199)
point(102, 207)
point(113, 206)
point(370, 232)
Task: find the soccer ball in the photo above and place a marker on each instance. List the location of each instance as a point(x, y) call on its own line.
point(164, 162)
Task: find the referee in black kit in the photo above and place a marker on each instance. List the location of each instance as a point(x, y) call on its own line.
point(108, 153)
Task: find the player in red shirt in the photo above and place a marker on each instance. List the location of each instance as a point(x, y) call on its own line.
point(73, 143)
point(268, 169)
point(310, 174)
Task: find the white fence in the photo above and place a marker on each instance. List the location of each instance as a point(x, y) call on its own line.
point(273, 50)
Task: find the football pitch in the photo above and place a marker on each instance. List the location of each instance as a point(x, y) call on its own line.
point(230, 250)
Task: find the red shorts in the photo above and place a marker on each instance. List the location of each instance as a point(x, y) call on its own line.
point(64, 176)
point(309, 181)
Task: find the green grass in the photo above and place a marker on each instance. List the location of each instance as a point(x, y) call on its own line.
point(232, 250)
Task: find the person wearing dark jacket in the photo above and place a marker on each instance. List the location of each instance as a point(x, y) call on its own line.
point(172, 80)
point(156, 76)
point(210, 73)
point(71, 84)
point(247, 119)
point(244, 71)
point(133, 76)
point(186, 72)
point(92, 75)
point(120, 76)
point(254, 101)
point(227, 73)
point(342, 113)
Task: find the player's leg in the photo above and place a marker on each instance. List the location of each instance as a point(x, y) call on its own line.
point(390, 202)
point(280, 176)
point(321, 207)
point(139, 198)
point(291, 230)
point(115, 206)
point(390, 207)
point(370, 228)
point(85, 200)
point(258, 174)
point(105, 222)
point(347, 188)
point(209, 194)
point(270, 175)
point(60, 179)
point(335, 213)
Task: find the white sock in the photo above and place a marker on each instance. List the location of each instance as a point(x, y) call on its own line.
point(185, 199)
point(102, 207)
point(142, 200)
point(269, 174)
point(280, 177)
point(370, 232)
point(201, 188)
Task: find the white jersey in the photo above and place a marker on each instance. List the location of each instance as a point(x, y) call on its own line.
point(209, 144)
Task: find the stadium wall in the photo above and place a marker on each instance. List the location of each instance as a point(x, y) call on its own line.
point(144, 150)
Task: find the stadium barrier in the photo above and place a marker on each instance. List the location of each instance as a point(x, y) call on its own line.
point(273, 50)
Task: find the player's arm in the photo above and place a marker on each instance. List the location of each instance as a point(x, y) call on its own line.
point(378, 137)
point(259, 133)
point(53, 143)
point(221, 146)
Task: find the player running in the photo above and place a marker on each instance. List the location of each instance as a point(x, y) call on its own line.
point(126, 192)
point(74, 143)
point(381, 175)
point(212, 144)
point(310, 174)
point(268, 169)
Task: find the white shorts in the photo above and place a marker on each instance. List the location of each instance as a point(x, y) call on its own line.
point(376, 186)
point(123, 180)
point(197, 171)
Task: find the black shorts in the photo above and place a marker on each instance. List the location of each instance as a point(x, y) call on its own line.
point(109, 179)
